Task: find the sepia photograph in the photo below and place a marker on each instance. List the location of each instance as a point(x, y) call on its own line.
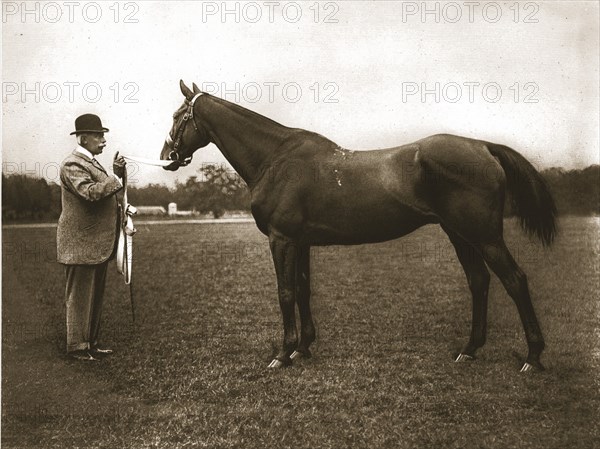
point(300, 224)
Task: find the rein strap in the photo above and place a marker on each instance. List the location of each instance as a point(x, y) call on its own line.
point(125, 242)
point(127, 229)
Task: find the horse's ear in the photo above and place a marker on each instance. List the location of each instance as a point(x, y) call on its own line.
point(196, 90)
point(187, 93)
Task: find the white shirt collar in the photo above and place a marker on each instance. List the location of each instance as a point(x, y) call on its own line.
point(84, 151)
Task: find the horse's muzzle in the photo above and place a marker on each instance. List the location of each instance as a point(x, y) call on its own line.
point(168, 155)
point(173, 166)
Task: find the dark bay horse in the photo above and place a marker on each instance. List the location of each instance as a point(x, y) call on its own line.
point(306, 191)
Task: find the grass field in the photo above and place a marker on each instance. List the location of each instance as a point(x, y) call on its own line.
point(390, 317)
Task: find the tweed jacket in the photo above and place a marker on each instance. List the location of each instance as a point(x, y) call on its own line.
point(87, 227)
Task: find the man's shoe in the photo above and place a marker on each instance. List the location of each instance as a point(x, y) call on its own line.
point(100, 351)
point(82, 355)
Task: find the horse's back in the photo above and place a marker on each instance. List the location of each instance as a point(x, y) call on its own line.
point(333, 195)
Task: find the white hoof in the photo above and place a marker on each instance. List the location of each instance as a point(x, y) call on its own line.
point(276, 364)
point(464, 358)
point(526, 368)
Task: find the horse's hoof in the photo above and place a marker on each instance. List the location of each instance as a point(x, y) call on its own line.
point(276, 363)
point(464, 358)
point(300, 354)
point(531, 367)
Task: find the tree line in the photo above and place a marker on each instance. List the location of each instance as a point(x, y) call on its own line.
point(218, 189)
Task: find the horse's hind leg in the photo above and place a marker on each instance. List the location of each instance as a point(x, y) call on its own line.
point(307, 327)
point(478, 278)
point(514, 280)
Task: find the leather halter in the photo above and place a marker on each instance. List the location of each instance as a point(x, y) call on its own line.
point(188, 115)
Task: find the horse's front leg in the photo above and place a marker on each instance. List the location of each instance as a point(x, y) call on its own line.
point(285, 258)
point(307, 333)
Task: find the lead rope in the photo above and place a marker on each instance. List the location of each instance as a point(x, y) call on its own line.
point(125, 244)
point(143, 160)
point(126, 230)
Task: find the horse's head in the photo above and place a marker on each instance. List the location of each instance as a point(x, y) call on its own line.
point(187, 133)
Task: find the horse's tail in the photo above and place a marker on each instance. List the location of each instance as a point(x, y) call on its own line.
point(531, 199)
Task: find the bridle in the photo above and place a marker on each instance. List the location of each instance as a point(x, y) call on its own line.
point(174, 146)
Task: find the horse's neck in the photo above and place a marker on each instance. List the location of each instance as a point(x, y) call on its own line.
point(247, 140)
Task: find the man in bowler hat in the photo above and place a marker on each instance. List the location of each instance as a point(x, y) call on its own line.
point(87, 234)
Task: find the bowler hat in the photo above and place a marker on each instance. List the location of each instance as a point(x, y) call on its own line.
point(88, 123)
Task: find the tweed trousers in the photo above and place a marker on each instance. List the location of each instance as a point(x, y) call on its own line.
point(84, 296)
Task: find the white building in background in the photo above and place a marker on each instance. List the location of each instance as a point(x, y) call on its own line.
point(151, 210)
point(173, 212)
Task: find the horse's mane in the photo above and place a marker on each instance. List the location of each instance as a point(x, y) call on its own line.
point(181, 109)
point(247, 113)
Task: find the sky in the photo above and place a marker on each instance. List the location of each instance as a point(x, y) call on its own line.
point(366, 74)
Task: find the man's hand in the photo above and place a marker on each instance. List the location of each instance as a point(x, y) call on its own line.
point(119, 165)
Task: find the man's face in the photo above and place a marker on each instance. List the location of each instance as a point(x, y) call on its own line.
point(94, 143)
